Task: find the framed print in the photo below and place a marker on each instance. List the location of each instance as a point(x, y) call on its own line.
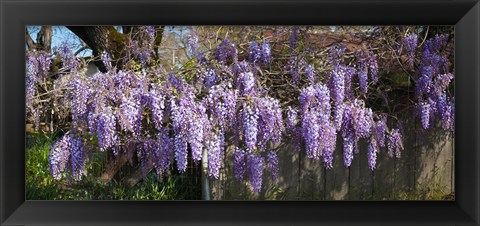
point(265, 112)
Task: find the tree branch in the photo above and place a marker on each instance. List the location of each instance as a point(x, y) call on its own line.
point(30, 43)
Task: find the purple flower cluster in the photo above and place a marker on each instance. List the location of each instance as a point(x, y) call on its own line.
point(106, 60)
point(181, 151)
point(143, 49)
point(272, 160)
point(310, 73)
point(328, 134)
point(441, 83)
point(163, 152)
point(67, 154)
point(151, 34)
point(215, 154)
point(379, 129)
point(297, 138)
point(348, 146)
point(372, 154)
point(178, 116)
point(432, 53)
point(246, 83)
point(373, 67)
point(367, 64)
point(357, 123)
point(177, 83)
point(250, 126)
point(318, 131)
point(197, 121)
point(210, 78)
point(30, 92)
point(121, 81)
point(337, 84)
point(328, 157)
point(130, 116)
point(144, 55)
point(78, 159)
point(410, 44)
point(359, 118)
point(192, 43)
point(338, 116)
point(340, 83)
point(240, 67)
point(425, 114)
point(311, 133)
point(424, 82)
point(67, 56)
point(445, 110)
point(363, 81)
point(336, 53)
point(394, 143)
point(294, 70)
point(222, 102)
point(266, 53)
point(292, 117)
point(79, 99)
point(98, 97)
point(240, 163)
point(255, 163)
point(315, 96)
point(157, 106)
point(254, 52)
point(270, 122)
point(38, 65)
point(340, 87)
point(146, 153)
point(227, 52)
point(260, 54)
point(293, 39)
point(188, 119)
point(106, 131)
point(432, 85)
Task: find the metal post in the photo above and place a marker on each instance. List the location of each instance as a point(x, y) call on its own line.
point(205, 184)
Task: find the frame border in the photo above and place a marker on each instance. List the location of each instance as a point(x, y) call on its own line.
point(16, 14)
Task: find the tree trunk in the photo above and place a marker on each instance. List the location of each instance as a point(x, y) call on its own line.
point(112, 167)
point(103, 39)
point(44, 39)
point(30, 43)
point(108, 39)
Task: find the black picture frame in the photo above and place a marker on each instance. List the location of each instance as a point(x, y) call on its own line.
point(16, 14)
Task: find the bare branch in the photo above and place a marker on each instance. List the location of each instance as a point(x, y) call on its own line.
point(30, 43)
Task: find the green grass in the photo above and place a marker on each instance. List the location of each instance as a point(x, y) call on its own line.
point(40, 184)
